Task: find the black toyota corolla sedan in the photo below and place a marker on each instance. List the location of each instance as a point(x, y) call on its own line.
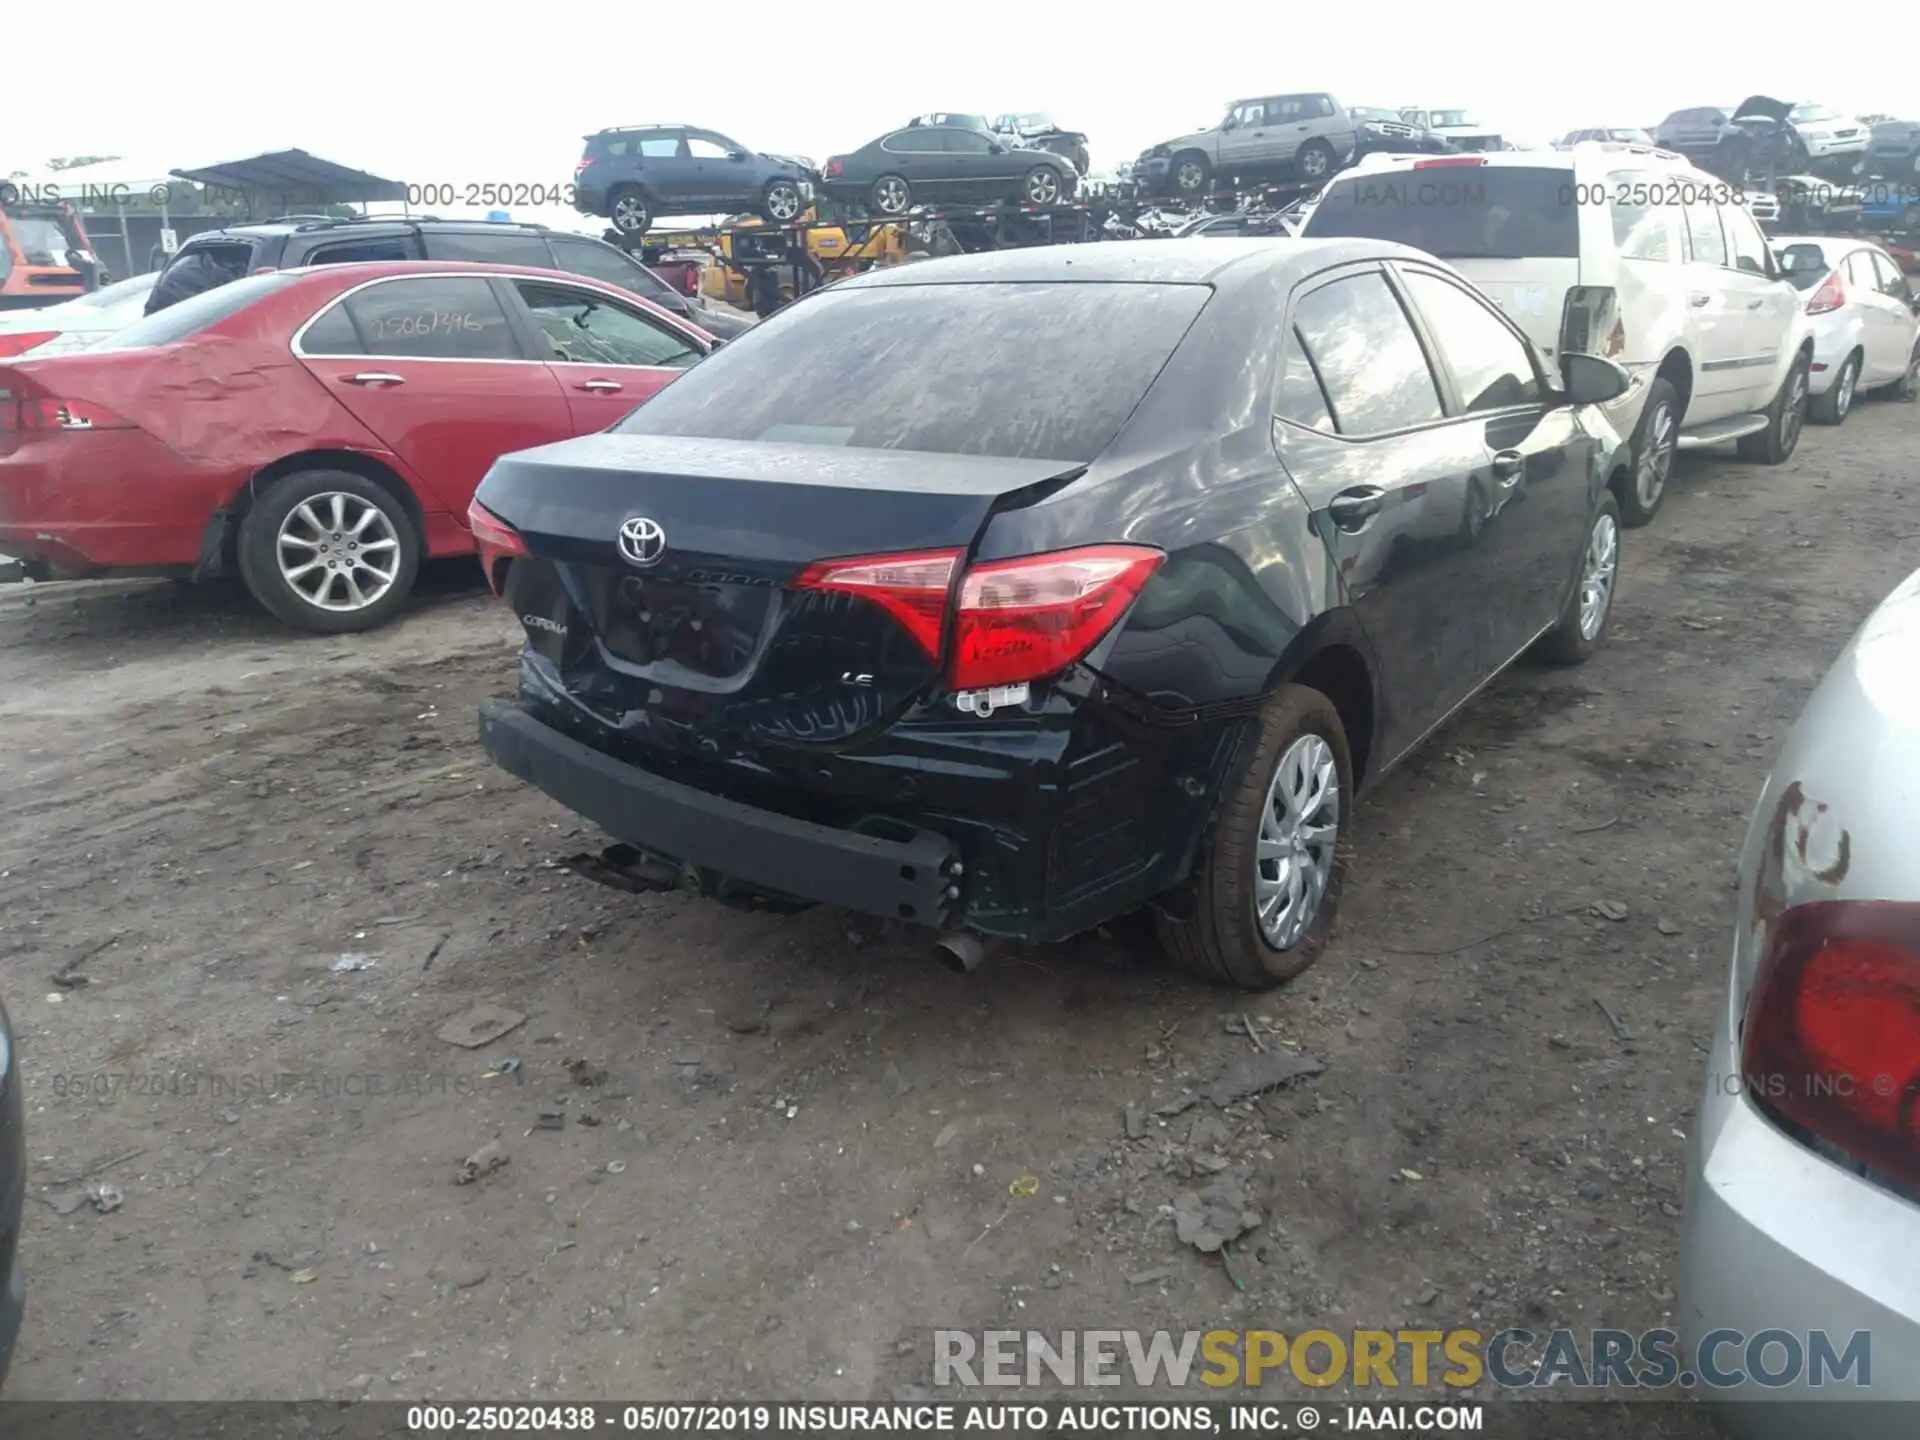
point(13, 1194)
point(1008, 593)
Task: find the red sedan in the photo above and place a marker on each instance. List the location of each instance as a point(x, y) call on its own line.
point(318, 431)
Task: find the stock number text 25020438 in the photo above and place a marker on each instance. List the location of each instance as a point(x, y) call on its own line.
point(1641, 193)
point(493, 193)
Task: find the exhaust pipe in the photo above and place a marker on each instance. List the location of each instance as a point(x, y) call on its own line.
point(960, 951)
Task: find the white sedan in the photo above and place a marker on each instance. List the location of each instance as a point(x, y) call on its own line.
point(74, 324)
point(1866, 320)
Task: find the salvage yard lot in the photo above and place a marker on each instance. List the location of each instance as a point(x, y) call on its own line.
point(200, 817)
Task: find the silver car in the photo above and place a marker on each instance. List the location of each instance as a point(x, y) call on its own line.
point(1803, 1184)
point(1302, 137)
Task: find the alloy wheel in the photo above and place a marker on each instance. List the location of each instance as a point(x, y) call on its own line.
point(891, 195)
point(1043, 187)
point(783, 202)
point(1656, 458)
point(338, 551)
point(1189, 177)
point(1843, 402)
point(1299, 829)
point(630, 214)
point(1313, 162)
point(1796, 413)
point(1596, 575)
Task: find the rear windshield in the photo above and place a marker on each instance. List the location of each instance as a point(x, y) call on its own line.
point(197, 312)
point(1491, 212)
point(1030, 371)
point(1805, 265)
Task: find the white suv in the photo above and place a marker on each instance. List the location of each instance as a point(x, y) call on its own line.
point(1622, 250)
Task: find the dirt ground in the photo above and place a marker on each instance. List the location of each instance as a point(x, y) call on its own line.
point(806, 1151)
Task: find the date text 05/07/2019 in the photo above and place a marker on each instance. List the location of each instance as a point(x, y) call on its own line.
point(491, 193)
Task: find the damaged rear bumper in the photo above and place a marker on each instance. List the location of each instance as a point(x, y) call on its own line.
point(911, 878)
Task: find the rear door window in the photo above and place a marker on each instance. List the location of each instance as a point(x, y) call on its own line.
point(350, 252)
point(1302, 400)
point(1490, 212)
point(1892, 281)
point(502, 247)
point(1642, 229)
point(583, 328)
point(1748, 245)
point(1805, 265)
point(658, 147)
point(1706, 245)
point(1368, 356)
point(608, 265)
point(1859, 271)
point(439, 318)
point(1033, 371)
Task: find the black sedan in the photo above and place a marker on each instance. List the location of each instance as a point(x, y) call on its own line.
point(13, 1194)
point(1086, 578)
point(947, 164)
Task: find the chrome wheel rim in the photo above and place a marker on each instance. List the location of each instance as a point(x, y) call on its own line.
point(1796, 409)
point(1596, 576)
point(1299, 828)
point(1189, 176)
point(1313, 162)
point(1043, 187)
point(1656, 460)
point(1911, 386)
point(783, 202)
point(1843, 401)
point(892, 195)
point(338, 552)
point(630, 213)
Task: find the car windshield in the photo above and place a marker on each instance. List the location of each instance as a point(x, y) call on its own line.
point(1800, 114)
point(1028, 123)
point(1505, 212)
point(1369, 112)
point(1034, 371)
point(1453, 117)
point(41, 239)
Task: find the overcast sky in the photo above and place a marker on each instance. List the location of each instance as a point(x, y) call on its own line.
point(468, 94)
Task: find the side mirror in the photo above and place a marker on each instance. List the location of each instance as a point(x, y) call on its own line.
point(1591, 380)
point(1913, 302)
point(996, 148)
point(1229, 123)
point(736, 155)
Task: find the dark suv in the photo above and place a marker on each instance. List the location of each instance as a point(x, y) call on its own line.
point(636, 173)
point(217, 256)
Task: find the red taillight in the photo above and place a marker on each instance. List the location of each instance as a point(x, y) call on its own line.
point(1027, 618)
point(581, 168)
point(911, 588)
point(1829, 297)
point(1832, 1042)
point(497, 542)
point(22, 341)
point(1449, 162)
point(39, 414)
point(834, 166)
point(1017, 620)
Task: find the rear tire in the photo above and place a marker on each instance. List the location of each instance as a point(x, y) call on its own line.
point(630, 210)
point(1223, 938)
point(1786, 417)
point(1314, 161)
point(1832, 407)
point(317, 539)
point(1655, 441)
point(1583, 623)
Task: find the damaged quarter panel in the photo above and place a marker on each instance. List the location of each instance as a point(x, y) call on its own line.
point(1835, 820)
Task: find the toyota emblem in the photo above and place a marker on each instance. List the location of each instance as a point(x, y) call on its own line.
point(642, 541)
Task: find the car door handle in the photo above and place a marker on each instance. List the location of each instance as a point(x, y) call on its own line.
point(1508, 466)
point(1352, 509)
point(598, 386)
point(1699, 299)
point(374, 377)
point(1756, 304)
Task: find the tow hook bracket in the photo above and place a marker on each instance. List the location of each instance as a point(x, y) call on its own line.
point(984, 702)
point(623, 867)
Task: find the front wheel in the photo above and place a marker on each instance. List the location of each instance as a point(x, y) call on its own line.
point(1786, 417)
point(1584, 620)
point(1191, 173)
point(1042, 186)
point(1266, 893)
point(329, 551)
point(1832, 407)
point(781, 202)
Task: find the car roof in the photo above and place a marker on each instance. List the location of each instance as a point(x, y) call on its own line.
point(1222, 262)
point(359, 271)
point(314, 225)
point(1611, 150)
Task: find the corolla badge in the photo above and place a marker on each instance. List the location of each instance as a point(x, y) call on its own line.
point(642, 541)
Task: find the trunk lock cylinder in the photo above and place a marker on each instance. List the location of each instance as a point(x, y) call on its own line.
point(984, 702)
